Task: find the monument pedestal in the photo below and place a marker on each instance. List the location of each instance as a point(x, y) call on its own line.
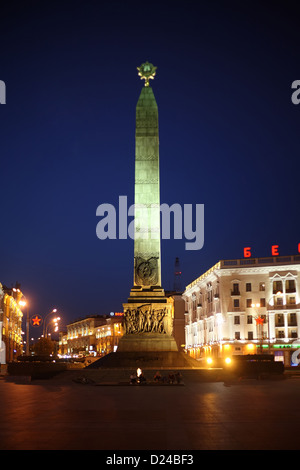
point(148, 321)
point(147, 342)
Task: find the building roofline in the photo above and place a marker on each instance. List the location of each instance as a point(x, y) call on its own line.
point(89, 317)
point(248, 263)
point(204, 275)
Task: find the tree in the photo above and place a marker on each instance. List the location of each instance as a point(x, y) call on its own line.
point(44, 347)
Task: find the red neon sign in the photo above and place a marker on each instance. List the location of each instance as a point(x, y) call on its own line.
point(274, 250)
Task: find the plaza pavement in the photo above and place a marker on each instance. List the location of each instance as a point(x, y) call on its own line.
point(202, 414)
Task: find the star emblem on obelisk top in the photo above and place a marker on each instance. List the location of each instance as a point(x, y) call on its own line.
point(147, 71)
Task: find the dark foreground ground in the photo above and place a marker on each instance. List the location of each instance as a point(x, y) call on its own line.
point(61, 414)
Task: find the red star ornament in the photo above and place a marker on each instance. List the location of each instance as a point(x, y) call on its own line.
point(36, 321)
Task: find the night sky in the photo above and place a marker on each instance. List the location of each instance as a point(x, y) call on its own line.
point(229, 138)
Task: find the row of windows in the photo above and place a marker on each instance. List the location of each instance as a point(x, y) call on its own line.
point(236, 287)
point(279, 319)
point(249, 303)
point(279, 334)
point(290, 286)
point(278, 302)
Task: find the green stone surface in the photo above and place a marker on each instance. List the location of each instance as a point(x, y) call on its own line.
point(147, 268)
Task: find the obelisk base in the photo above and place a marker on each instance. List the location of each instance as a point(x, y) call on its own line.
point(148, 322)
point(147, 342)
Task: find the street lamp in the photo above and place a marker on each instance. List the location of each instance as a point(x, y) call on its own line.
point(259, 322)
point(24, 303)
point(55, 321)
point(44, 326)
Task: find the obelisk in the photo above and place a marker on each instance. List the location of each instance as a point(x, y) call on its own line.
point(147, 256)
point(148, 313)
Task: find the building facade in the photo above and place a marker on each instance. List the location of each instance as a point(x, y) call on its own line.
point(93, 335)
point(81, 335)
point(11, 340)
point(109, 334)
point(245, 306)
point(178, 317)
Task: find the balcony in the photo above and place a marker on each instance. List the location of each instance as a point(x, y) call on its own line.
point(284, 307)
point(292, 306)
point(276, 307)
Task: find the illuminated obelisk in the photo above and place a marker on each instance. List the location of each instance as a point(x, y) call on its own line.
point(147, 269)
point(148, 313)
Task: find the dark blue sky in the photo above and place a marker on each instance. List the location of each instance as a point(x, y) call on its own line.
point(229, 138)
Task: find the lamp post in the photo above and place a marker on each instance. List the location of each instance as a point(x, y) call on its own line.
point(259, 323)
point(280, 294)
point(23, 303)
point(44, 325)
point(55, 321)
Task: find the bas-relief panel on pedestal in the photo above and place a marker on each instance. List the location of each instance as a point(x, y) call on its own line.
point(147, 319)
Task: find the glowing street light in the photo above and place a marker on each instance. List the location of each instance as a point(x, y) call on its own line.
point(24, 303)
point(54, 310)
point(55, 322)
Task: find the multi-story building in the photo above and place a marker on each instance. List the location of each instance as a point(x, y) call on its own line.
point(245, 306)
point(11, 342)
point(96, 335)
point(63, 343)
point(178, 317)
point(81, 334)
point(109, 334)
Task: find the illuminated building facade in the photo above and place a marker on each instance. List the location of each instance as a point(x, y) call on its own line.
point(81, 335)
point(93, 335)
point(245, 306)
point(108, 335)
point(177, 314)
point(11, 342)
